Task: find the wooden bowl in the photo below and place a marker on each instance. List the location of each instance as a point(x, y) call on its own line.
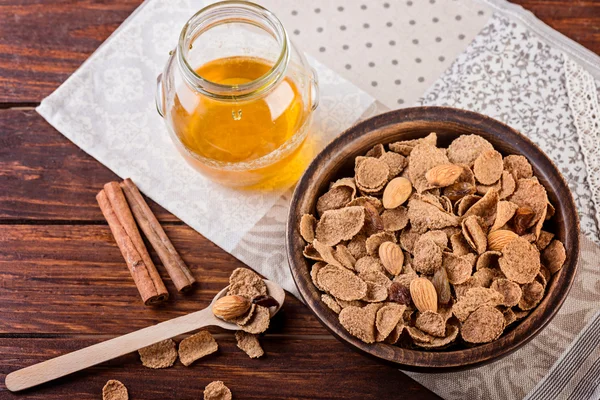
point(337, 160)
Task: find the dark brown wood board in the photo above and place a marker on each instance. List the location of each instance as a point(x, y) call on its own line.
point(63, 284)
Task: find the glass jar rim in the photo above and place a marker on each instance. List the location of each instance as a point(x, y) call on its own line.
point(227, 12)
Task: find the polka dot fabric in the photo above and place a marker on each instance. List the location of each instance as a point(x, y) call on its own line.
point(394, 50)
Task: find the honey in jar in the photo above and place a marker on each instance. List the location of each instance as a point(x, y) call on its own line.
point(239, 119)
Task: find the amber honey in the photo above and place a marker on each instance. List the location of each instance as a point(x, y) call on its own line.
point(232, 131)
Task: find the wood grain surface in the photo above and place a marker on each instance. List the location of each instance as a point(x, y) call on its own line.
point(63, 284)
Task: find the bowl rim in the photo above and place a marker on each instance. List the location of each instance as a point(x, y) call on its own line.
point(424, 360)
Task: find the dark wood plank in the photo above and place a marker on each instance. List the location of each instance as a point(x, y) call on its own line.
point(579, 20)
point(42, 43)
point(292, 369)
point(65, 279)
point(45, 176)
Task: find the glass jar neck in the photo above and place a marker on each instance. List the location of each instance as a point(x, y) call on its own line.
point(228, 12)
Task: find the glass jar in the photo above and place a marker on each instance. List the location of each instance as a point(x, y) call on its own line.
point(237, 96)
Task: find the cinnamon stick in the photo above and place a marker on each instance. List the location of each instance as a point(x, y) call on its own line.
point(144, 274)
point(178, 271)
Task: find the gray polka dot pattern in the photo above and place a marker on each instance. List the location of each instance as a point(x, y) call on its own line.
point(377, 44)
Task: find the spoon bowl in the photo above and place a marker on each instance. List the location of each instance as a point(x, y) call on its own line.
point(87, 357)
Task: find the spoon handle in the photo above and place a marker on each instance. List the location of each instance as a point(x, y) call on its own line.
point(98, 353)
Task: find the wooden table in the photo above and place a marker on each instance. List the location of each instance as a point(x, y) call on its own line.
point(63, 283)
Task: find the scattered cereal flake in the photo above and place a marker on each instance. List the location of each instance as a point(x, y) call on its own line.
point(460, 247)
point(352, 303)
point(532, 294)
point(408, 238)
point(405, 147)
point(439, 237)
point(427, 256)
point(483, 325)
point(259, 321)
point(377, 286)
point(387, 320)
point(463, 205)
point(247, 283)
point(537, 230)
point(458, 268)
point(432, 323)
point(406, 278)
point(337, 225)
point(197, 346)
point(377, 151)
point(546, 273)
point(360, 322)
point(217, 391)
point(486, 208)
point(344, 257)
point(159, 355)
point(369, 263)
point(331, 303)
point(423, 158)
point(114, 390)
point(418, 335)
point(554, 256)
point(372, 174)
point(424, 216)
point(326, 253)
point(473, 299)
point(550, 210)
point(395, 334)
point(488, 167)
point(314, 271)
point(520, 261)
point(357, 246)
point(489, 259)
point(511, 291)
point(429, 198)
point(374, 241)
point(518, 166)
point(509, 317)
point(483, 189)
point(474, 234)
point(520, 314)
point(341, 283)
point(244, 318)
point(307, 227)
point(467, 175)
point(311, 253)
point(504, 212)
point(362, 200)
point(436, 343)
point(336, 197)
point(507, 185)
point(395, 162)
point(249, 344)
point(544, 240)
point(396, 219)
point(530, 193)
point(466, 148)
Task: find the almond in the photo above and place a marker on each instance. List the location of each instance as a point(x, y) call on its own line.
point(396, 192)
point(230, 307)
point(391, 257)
point(423, 294)
point(443, 175)
point(500, 238)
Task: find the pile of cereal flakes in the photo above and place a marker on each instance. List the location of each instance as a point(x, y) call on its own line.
point(425, 245)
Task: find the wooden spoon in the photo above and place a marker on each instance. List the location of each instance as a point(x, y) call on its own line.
point(76, 361)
